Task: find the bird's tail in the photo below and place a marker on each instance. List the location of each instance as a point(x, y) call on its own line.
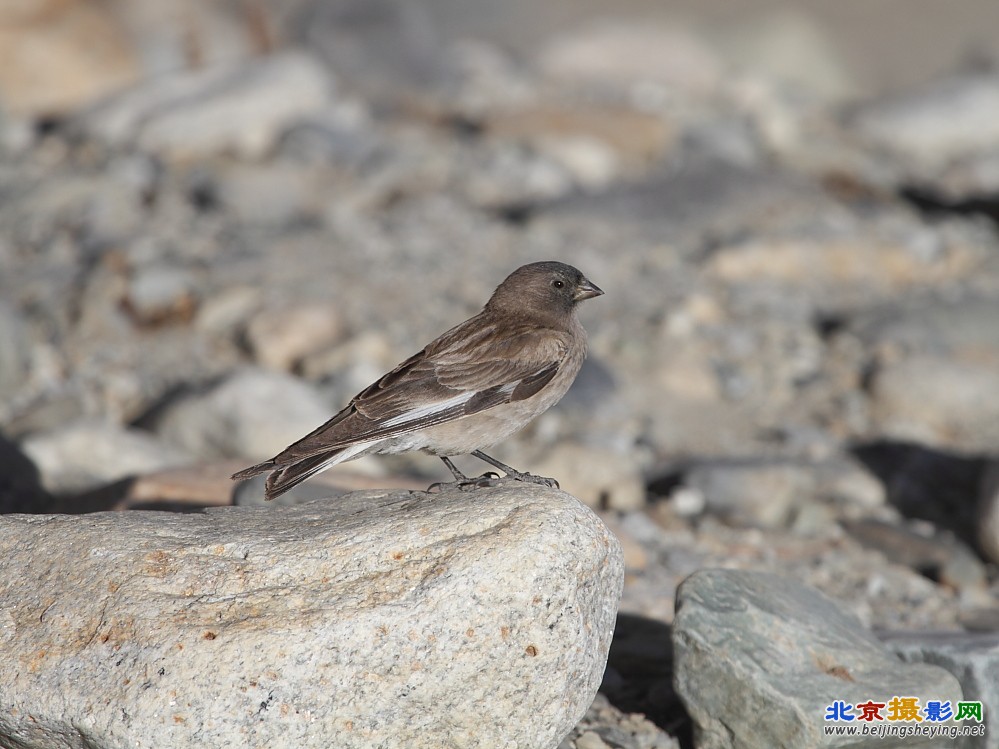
point(288, 476)
point(249, 473)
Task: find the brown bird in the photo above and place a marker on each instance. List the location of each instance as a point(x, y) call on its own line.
point(469, 389)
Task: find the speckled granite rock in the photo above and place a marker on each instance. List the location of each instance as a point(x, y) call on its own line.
point(458, 619)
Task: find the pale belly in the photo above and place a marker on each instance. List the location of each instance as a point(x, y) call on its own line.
point(476, 432)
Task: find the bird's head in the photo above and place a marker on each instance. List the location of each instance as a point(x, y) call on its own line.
point(545, 287)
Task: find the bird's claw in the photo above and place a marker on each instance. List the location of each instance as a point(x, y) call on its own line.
point(530, 478)
point(489, 478)
point(541, 480)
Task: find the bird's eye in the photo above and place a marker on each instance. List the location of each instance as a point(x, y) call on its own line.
point(558, 284)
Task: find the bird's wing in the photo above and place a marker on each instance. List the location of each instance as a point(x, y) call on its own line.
point(467, 370)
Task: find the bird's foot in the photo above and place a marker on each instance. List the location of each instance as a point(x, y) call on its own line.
point(513, 473)
point(489, 478)
point(532, 479)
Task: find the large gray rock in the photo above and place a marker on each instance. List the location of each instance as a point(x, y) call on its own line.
point(460, 619)
point(938, 400)
point(240, 108)
point(252, 413)
point(759, 658)
point(89, 453)
point(945, 120)
point(941, 137)
point(972, 657)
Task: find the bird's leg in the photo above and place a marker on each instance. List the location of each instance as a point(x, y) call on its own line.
point(514, 473)
point(458, 475)
point(462, 481)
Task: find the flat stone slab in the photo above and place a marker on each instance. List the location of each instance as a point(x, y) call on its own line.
point(759, 659)
point(378, 619)
point(973, 657)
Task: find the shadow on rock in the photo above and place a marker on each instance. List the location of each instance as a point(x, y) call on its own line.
point(20, 482)
point(639, 675)
point(21, 489)
point(927, 484)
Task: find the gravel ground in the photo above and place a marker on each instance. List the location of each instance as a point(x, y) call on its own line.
point(793, 369)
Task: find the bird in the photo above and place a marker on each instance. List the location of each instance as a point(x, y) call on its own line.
point(465, 391)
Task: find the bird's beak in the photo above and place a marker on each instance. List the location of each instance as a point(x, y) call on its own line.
point(587, 290)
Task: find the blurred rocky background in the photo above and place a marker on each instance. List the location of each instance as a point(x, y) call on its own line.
point(220, 219)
